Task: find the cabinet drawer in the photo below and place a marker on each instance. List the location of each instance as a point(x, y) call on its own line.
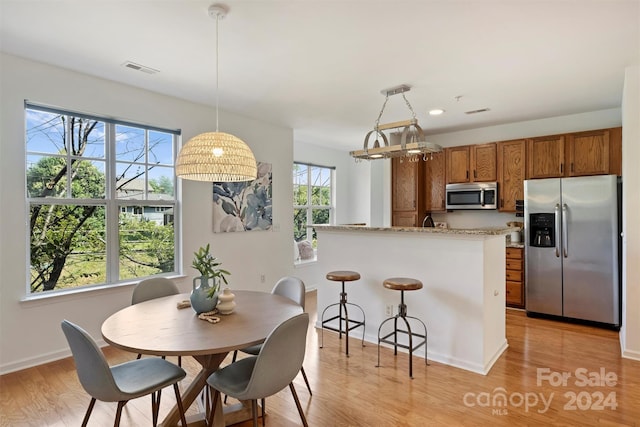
point(514, 264)
point(515, 253)
point(514, 293)
point(514, 276)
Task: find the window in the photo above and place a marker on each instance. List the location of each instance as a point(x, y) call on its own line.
point(101, 200)
point(312, 204)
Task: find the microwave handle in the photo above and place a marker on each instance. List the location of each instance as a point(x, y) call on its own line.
point(482, 197)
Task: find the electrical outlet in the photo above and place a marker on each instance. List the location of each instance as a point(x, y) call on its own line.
point(388, 310)
point(262, 278)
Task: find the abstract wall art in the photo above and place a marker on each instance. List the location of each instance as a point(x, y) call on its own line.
point(243, 206)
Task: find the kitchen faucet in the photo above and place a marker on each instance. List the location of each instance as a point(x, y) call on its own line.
point(428, 220)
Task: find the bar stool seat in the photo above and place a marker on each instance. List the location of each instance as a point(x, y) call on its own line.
point(403, 284)
point(349, 324)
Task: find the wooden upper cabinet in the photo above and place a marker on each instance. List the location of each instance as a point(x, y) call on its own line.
point(511, 173)
point(545, 157)
point(407, 192)
point(405, 179)
point(458, 160)
point(483, 163)
point(435, 179)
point(615, 151)
point(588, 153)
point(471, 163)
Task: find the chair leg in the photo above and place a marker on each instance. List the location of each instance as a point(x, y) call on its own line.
point(214, 401)
point(295, 397)
point(306, 381)
point(121, 404)
point(263, 402)
point(155, 406)
point(88, 413)
point(180, 361)
point(180, 407)
point(139, 356)
point(254, 412)
point(233, 359)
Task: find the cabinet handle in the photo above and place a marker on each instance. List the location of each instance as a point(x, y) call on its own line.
point(475, 173)
point(467, 174)
point(502, 203)
point(571, 166)
point(561, 167)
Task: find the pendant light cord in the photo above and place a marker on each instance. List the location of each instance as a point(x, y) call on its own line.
point(217, 71)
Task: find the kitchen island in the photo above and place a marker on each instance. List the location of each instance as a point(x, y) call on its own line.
point(463, 273)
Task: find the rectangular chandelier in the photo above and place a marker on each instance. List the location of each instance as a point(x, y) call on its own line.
point(412, 140)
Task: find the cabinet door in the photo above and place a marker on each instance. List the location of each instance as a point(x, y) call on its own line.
point(589, 153)
point(404, 185)
point(458, 161)
point(511, 173)
point(483, 160)
point(404, 219)
point(545, 157)
point(435, 182)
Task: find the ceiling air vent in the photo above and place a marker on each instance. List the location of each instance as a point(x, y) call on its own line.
point(139, 67)
point(482, 110)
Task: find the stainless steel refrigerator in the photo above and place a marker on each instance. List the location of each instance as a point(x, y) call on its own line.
point(572, 245)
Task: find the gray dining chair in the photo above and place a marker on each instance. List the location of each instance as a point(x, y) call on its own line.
point(123, 382)
point(152, 288)
point(294, 289)
point(275, 367)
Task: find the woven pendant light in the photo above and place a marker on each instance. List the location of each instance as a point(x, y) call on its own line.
point(216, 156)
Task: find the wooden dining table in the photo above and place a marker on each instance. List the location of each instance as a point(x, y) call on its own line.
point(157, 327)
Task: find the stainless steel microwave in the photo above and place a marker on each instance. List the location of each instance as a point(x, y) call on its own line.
point(475, 195)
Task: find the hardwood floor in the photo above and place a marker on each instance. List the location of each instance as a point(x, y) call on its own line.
point(353, 392)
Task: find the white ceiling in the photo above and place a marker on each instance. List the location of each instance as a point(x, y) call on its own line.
point(319, 66)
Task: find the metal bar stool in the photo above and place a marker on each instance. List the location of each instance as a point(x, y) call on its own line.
point(349, 324)
point(403, 284)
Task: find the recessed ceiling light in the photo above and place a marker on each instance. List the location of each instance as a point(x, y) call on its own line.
point(436, 112)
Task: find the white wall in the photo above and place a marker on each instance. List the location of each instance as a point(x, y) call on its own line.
point(630, 332)
point(30, 331)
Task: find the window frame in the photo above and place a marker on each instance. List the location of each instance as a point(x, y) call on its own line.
point(311, 207)
point(113, 203)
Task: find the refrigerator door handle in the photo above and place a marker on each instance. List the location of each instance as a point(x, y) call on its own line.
point(557, 232)
point(565, 232)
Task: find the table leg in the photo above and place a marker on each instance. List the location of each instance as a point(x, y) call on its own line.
point(231, 414)
point(210, 364)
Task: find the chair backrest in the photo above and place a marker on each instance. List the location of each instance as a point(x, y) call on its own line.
point(280, 359)
point(292, 288)
point(92, 367)
point(155, 287)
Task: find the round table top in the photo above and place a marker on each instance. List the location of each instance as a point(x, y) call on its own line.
point(402, 284)
point(158, 327)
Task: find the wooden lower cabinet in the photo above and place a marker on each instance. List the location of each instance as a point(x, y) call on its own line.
point(515, 278)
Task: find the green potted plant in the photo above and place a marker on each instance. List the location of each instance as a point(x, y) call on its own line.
point(204, 296)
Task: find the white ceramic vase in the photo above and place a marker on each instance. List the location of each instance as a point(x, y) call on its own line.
point(226, 302)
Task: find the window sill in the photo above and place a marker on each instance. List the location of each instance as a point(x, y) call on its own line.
point(75, 292)
point(307, 262)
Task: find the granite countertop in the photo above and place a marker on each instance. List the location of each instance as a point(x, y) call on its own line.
point(486, 231)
